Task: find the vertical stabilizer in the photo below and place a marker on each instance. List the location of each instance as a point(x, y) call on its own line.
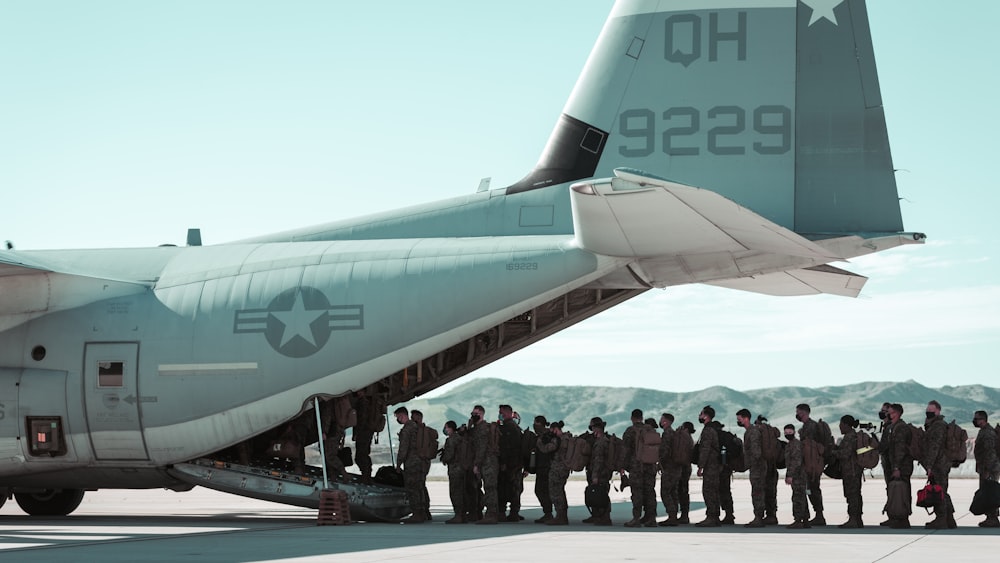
point(774, 104)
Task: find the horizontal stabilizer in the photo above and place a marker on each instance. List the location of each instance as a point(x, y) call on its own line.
point(643, 216)
point(805, 281)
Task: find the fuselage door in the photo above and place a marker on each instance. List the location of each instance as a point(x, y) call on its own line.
point(112, 398)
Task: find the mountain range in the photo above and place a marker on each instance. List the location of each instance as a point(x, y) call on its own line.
point(575, 405)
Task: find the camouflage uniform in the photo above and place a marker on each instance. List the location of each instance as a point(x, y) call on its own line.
point(558, 471)
point(770, 478)
point(488, 461)
point(987, 464)
point(795, 469)
point(711, 469)
point(847, 453)
point(670, 476)
point(510, 469)
point(371, 420)
point(810, 430)
point(543, 464)
point(683, 485)
point(641, 476)
point(414, 469)
point(754, 454)
point(896, 455)
point(600, 471)
point(451, 457)
point(936, 461)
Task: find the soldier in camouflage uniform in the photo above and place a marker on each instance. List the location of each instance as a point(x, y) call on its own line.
point(684, 486)
point(938, 465)
point(897, 460)
point(510, 466)
point(810, 431)
point(370, 406)
point(600, 471)
point(795, 475)
point(412, 466)
point(543, 462)
point(847, 453)
point(753, 453)
point(487, 462)
point(709, 468)
point(554, 443)
point(987, 464)
point(641, 476)
point(451, 457)
point(670, 470)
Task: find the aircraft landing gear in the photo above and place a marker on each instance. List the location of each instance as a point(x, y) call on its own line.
point(50, 503)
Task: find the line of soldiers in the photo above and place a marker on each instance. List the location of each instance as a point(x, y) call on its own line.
point(488, 460)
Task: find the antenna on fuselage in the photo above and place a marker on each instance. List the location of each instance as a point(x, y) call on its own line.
point(194, 237)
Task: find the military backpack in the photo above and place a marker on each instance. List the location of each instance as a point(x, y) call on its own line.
point(731, 451)
point(955, 443)
point(812, 458)
point(683, 447)
point(647, 445)
point(577, 452)
point(427, 442)
point(769, 443)
point(867, 452)
point(345, 414)
point(616, 452)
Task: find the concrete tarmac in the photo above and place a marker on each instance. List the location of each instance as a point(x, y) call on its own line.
point(203, 525)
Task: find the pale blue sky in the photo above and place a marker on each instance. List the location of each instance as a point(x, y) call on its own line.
point(124, 123)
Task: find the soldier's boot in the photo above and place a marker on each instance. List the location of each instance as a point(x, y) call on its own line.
point(729, 520)
point(671, 520)
point(649, 520)
point(545, 518)
point(798, 525)
point(940, 522)
point(603, 518)
point(635, 521)
point(456, 519)
point(886, 522)
point(899, 523)
point(514, 517)
point(990, 522)
point(950, 512)
point(757, 522)
point(489, 518)
point(683, 518)
point(771, 519)
point(852, 522)
point(818, 520)
point(415, 518)
point(709, 522)
point(559, 519)
point(592, 518)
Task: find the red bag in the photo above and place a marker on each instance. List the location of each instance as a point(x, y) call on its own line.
point(931, 495)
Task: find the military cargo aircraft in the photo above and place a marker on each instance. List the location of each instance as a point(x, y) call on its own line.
point(737, 143)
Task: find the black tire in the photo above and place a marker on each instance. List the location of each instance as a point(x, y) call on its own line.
point(50, 503)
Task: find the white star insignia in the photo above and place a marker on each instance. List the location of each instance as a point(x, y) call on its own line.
point(297, 321)
point(822, 9)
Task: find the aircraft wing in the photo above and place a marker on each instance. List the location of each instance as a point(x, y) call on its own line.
point(30, 288)
point(804, 281)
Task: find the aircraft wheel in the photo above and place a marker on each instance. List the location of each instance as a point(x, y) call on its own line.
point(50, 503)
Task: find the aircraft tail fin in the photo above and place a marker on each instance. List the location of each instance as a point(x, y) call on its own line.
point(774, 104)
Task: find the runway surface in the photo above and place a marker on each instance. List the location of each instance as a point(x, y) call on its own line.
point(203, 525)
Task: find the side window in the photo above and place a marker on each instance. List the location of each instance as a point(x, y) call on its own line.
point(45, 436)
point(110, 374)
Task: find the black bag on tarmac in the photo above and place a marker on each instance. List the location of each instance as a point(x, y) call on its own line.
point(986, 499)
